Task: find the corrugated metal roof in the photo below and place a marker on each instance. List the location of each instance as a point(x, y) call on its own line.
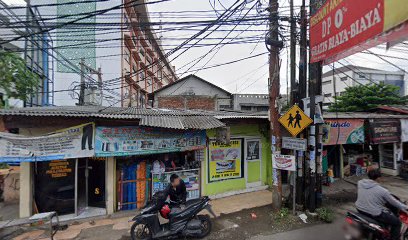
point(147, 117)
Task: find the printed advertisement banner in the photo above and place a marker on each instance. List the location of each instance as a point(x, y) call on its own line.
point(74, 142)
point(343, 131)
point(385, 130)
point(225, 161)
point(284, 162)
point(134, 140)
point(340, 25)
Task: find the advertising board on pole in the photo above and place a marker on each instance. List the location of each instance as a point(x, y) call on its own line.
point(294, 143)
point(284, 162)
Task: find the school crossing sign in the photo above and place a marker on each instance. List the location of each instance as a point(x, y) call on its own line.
point(295, 120)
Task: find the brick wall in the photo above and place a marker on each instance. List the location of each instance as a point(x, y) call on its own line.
point(187, 102)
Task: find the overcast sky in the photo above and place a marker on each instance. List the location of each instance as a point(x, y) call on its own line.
point(249, 76)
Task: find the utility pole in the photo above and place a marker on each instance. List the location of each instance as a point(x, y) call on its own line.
point(274, 68)
point(293, 86)
point(82, 84)
point(85, 69)
point(302, 94)
point(315, 86)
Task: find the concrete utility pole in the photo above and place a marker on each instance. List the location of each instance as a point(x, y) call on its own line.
point(82, 84)
point(274, 68)
point(293, 85)
point(302, 94)
point(84, 70)
point(315, 88)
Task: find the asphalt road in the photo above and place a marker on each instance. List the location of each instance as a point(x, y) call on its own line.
point(318, 232)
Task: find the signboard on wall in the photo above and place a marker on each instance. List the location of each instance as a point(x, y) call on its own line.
point(225, 161)
point(136, 140)
point(74, 142)
point(384, 131)
point(283, 162)
point(343, 131)
point(341, 27)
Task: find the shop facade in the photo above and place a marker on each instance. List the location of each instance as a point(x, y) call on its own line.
point(344, 149)
point(385, 135)
point(243, 165)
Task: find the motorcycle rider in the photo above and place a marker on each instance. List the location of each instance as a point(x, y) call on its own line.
point(177, 189)
point(372, 200)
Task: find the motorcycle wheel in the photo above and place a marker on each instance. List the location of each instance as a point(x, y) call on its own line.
point(206, 225)
point(140, 231)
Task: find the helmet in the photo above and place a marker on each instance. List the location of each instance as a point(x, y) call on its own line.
point(164, 211)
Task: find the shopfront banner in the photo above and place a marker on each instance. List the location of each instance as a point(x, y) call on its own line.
point(343, 27)
point(283, 162)
point(136, 140)
point(343, 131)
point(384, 131)
point(225, 161)
point(74, 142)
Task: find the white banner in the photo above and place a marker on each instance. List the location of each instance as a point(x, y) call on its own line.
point(284, 162)
point(74, 142)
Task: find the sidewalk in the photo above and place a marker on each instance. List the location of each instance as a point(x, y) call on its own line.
point(121, 225)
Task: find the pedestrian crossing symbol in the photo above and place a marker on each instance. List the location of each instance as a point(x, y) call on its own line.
point(295, 120)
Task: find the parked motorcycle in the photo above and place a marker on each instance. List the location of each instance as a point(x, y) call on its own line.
point(361, 226)
point(183, 221)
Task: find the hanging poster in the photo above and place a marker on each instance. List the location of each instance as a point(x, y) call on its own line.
point(343, 131)
point(74, 142)
point(253, 150)
point(225, 161)
point(404, 130)
point(341, 28)
point(135, 140)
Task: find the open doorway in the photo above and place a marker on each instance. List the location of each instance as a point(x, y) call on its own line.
point(90, 187)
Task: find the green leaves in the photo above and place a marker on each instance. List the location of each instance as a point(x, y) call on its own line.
point(365, 97)
point(15, 78)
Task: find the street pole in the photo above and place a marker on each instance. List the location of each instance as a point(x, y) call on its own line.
point(274, 63)
point(293, 91)
point(315, 86)
point(293, 85)
point(302, 94)
point(82, 84)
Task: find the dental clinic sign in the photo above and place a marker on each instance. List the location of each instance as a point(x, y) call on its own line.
point(343, 27)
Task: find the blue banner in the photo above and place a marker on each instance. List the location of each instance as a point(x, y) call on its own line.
point(133, 140)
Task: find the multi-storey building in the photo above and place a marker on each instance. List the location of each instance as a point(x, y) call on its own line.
point(119, 43)
point(351, 75)
point(35, 50)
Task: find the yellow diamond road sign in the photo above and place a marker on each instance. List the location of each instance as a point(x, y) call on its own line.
point(295, 120)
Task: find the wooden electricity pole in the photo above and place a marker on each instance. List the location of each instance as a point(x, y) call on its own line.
point(274, 68)
point(315, 89)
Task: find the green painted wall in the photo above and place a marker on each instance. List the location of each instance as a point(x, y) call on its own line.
point(253, 168)
point(242, 131)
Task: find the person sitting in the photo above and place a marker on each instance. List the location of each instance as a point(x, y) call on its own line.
point(372, 200)
point(177, 190)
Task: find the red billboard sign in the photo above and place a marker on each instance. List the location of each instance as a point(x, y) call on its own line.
point(342, 27)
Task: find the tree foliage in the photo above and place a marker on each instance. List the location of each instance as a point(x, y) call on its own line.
point(16, 79)
point(365, 97)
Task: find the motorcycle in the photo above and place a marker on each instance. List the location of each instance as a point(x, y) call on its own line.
point(361, 226)
point(183, 222)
